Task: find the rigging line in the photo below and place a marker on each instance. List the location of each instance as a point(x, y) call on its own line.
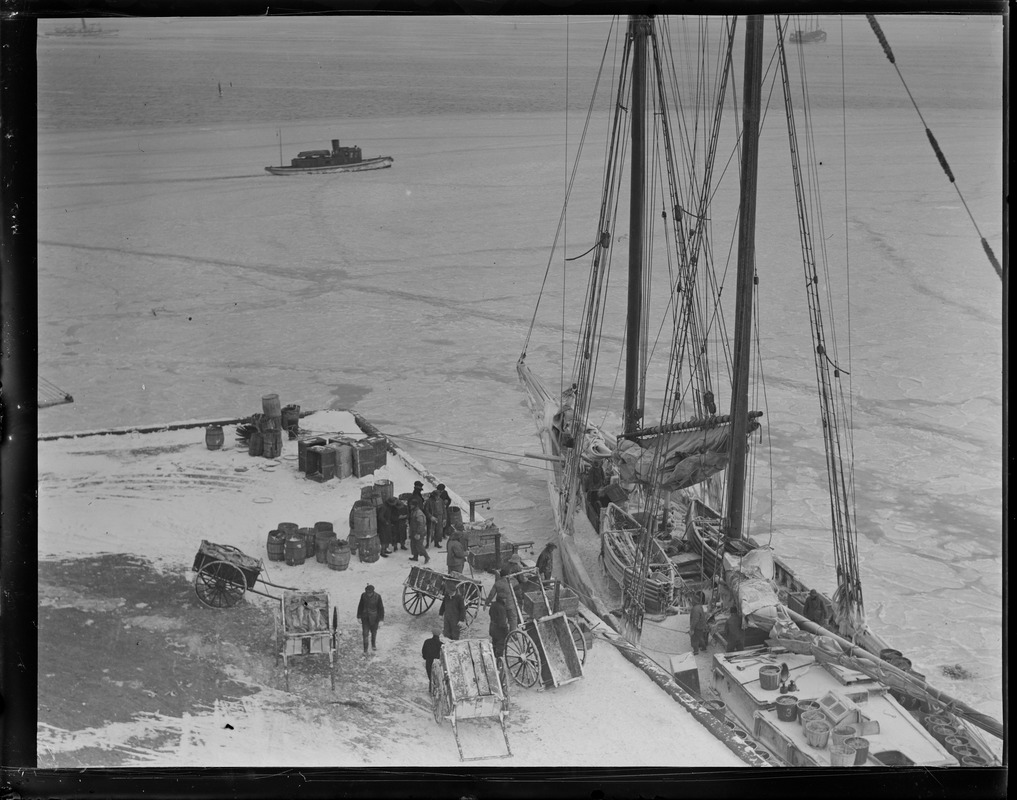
point(514, 458)
point(934, 144)
point(562, 216)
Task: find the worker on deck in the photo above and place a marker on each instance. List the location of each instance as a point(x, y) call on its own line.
point(699, 625)
point(437, 514)
point(430, 653)
point(499, 629)
point(813, 610)
point(371, 613)
point(418, 532)
point(455, 558)
point(545, 561)
point(453, 611)
point(503, 589)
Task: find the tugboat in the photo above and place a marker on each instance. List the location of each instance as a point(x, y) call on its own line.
point(338, 159)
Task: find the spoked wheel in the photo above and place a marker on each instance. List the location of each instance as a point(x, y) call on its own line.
point(579, 639)
point(471, 597)
point(220, 584)
point(439, 699)
point(522, 659)
point(415, 601)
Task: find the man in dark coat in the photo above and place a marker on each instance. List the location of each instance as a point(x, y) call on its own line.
point(499, 629)
point(503, 589)
point(437, 514)
point(371, 613)
point(455, 557)
point(699, 625)
point(545, 561)
point(430, 653)
point(814, 611)
point(400, 520)
point(418, 493)
point(418, 532)
point(453, 611)
point(385, 512)
point(733, 631)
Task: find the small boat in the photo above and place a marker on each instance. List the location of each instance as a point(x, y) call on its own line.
point(338, 159)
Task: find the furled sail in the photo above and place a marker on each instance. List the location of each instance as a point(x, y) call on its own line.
point(686, 457)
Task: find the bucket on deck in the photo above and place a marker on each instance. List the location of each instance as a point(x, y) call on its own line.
point(369, 548)
point(932, 720)
point(276, 546)
point(295, 551)
point(941, 732)
point(842, 733)
point(324, 526)
point(769, 677)
point(817, 732)
point(338, 556)
point(213, 437)
point(861, 748)
point(807, 705)
point(323, 540)
point(385, 489)
point(811, 714)
point(787, 708)
point(962, 752)
point(270, 405)
point(841, 755)
point(974, 761)
point(957, 741)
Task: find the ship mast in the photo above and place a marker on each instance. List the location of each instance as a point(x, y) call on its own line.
point(733, 528)
point(639, 30)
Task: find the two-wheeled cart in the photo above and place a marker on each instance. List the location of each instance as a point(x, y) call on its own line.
point(423, 586)
point(223, 574)
point(302, 629)
point(465, 684)
point(547, 644)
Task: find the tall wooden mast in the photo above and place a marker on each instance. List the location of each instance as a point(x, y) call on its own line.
point(639, 30)
point(746, 277)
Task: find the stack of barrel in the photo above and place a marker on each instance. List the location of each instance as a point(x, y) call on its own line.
point(266, 438)
point(295, 545)
point(364, 525)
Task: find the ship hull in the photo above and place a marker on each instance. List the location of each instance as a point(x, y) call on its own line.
point(382, 162)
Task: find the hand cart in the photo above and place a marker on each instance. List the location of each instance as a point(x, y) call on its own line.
point(465, 684)
point(424, 585)
point(302, 629)
point(224, 573)
point(547, 644)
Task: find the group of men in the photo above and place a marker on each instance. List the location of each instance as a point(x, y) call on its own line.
point(425, 520)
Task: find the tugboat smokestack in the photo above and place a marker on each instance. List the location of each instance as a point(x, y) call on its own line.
point(335, 145)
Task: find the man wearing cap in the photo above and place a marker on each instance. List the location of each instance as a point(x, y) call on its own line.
point(371, 613)
point(455, 558)
point(453, 610)
point(434, 508)
point(503, 590)
point(418, 493)
point(545, 561)
point(400, 521)
point(430, 653)
point(499, 629)
point(418, 532)
point(385, 513)
point(813, 610)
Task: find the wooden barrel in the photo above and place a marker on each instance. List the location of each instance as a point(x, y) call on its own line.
point(370, 493)
point(365, 520)
point(291, 420)
point(270, 405)
point(276, 546)
point(385, 489)
point(213, 437)
point(324, 526)
point(323, 540)
point(286, 528)
point(338, 556)
point(295, 550)
point(308, 535)
point(368, 548)
point(254, 444)
point(272, 444)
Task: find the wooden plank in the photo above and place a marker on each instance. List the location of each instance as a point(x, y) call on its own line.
point(479, 672)
point(458, 685)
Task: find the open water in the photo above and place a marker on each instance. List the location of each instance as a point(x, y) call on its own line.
point(178, 281)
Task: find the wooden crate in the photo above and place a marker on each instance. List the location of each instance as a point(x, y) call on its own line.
point(534, 606)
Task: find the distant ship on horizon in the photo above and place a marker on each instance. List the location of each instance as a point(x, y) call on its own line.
point(94, 30)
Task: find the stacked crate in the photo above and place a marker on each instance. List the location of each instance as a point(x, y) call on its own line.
point(369, 455)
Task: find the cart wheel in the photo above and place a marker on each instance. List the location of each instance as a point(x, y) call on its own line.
point(415, 601)
point(439, 701)
point(472, 599)
point(220, 584)
point(522, 659)
point(579, 639)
